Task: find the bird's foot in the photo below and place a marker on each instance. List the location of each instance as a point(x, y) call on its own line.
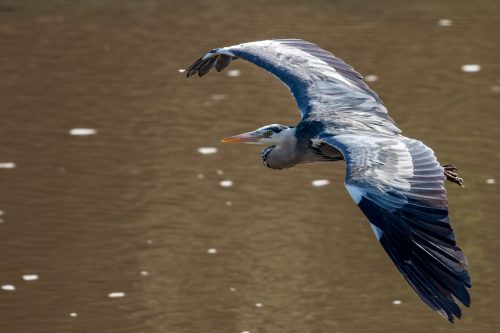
point(451, 174)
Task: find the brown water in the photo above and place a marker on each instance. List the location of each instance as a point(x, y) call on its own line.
point(136, 209)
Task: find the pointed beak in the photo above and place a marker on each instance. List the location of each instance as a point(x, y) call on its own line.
point(245, 137)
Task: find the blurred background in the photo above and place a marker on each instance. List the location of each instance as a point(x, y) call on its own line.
point(121, 212)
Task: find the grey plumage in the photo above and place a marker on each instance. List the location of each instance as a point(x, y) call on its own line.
point(396, 181)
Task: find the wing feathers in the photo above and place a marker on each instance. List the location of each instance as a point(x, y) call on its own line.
point(222, 62)
point(204, 64)
point(400, 189)
point(322, 84)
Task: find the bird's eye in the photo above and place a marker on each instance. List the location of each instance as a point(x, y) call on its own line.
point(267, 134)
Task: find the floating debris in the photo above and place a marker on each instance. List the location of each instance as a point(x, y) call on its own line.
point(259, 305)
point(212, 251)
point(144, 273)
point(116, 294)
point(182, 70)
point(490, 181)
point(7, 165)
point(233, 73)
point(320, 182)
point(396, 302)
point(8, 287)
point(82, 131)
point(245, 331)
point(371, 78)
point(471, 68)
point(445, 22)
point(30, 277)
point(226, 183)
point(73, 314)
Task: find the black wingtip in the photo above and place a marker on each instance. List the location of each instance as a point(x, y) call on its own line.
point(212, 59)
point(222, 62)
point(191, 70)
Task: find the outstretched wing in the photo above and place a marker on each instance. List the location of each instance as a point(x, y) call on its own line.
point(399, 185)
point(323, 85)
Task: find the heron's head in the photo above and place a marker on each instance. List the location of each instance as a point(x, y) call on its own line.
point(274, 134)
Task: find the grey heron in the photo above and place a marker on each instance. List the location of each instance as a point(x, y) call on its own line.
point(396, 181)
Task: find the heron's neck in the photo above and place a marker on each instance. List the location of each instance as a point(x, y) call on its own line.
point(284, 153)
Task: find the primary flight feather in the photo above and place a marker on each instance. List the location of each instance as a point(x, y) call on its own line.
point(396, 181)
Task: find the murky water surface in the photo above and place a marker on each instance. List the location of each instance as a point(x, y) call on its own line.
point(112, 220)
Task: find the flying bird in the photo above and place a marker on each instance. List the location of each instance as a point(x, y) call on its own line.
point(396, 181)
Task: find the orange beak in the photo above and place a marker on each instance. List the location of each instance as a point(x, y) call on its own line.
point(245, 137)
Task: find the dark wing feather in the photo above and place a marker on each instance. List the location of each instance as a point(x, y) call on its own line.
point(409, 215)
point(222, 62)
point(203, 65)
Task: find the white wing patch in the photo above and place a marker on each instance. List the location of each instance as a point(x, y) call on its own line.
point(316, 143)
point(377, 231)
point(355, 192)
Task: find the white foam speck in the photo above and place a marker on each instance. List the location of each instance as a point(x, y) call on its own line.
point(207, 150)
point(218, 97)
point(371, 78)
point(83, 131)
point(220, 172)
point(259, 305)
point(8, 287)
point(1, 212)
point(226, 183)
point(396, 302)
point(233, 73)
point(7, 165)
point(212, 251)
point(490, 181)
point(245, 331)
point(1, 221)
point(182, 70)
point(149, 241)
point(144, 273)
point(495, 88)
point(200, 176)
point(471, 68)
point(232, 289)
point(73, 314)
point(320, 182)
point(229, 203)
point(445, 22)
point(30, 277)
point(116, 294)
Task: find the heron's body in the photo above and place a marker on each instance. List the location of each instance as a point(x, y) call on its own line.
point(396, 181)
